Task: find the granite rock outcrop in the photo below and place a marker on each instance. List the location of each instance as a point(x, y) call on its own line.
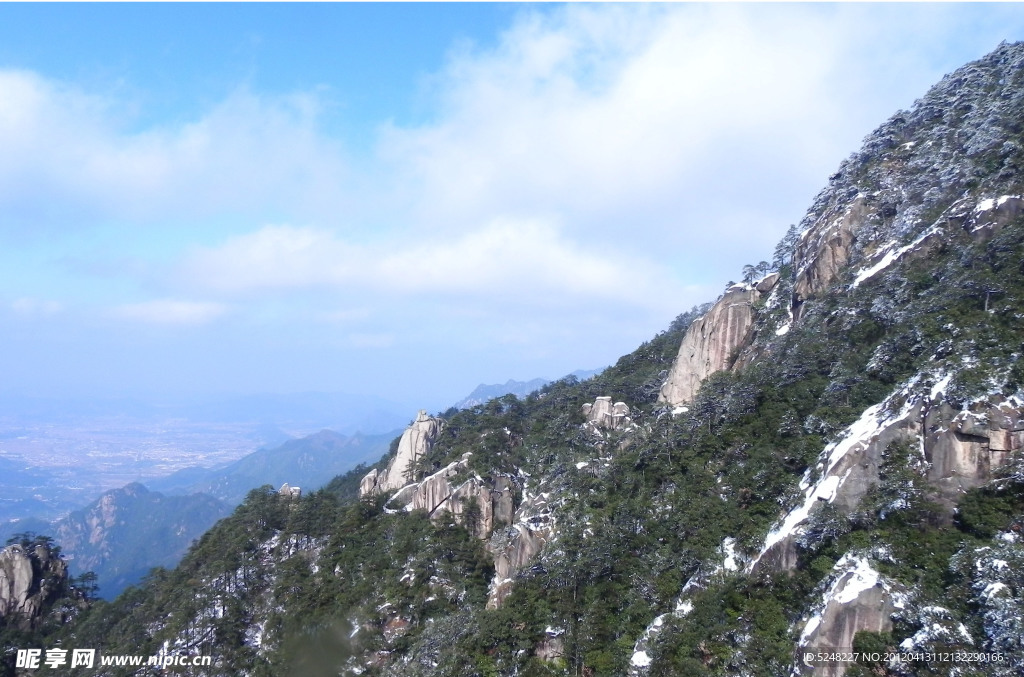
point(958, 449)
point(603, 414)
point(30, 578)
point(859, 599)
point(416, 442)
point(713, 342)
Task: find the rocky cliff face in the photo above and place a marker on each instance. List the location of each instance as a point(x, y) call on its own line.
point(519, 544)
point(31, 578)
point(415, 443)
point(713, 342)
point(955, 449)
point(471, 501)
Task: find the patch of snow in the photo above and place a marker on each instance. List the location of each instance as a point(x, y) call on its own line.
point(961, 630)
point(805, 481)
point(852, 575)
point(783, 330)
point(890, 257)
point(985, 205)
point(883, 263)
point(941, 386)
point(812, 624)
point(679, 410)
point(864, 578)
point(993, 589)
point(581, 465)
point(859, 434)
point(684, 608)
point(729, 549)
point(936, 627)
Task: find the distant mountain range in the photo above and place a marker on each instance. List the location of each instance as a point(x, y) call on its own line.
point(484, 392)
point(309, 463)
point(126, 532)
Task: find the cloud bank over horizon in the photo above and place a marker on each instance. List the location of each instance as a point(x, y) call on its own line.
point(568, 186)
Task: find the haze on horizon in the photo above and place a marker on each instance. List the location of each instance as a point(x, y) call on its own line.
point(407, 200)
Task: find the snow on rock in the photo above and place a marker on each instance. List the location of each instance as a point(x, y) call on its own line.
point(729, 550)
point(991, 214)
point(936, 625)
point(837, 463)
point(960, 449)
point(892, 253)
point(857, 598)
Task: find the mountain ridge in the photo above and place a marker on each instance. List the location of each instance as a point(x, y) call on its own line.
point(845, 474)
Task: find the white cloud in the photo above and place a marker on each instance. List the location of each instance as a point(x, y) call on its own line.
point(698, 131)
point(600, 169)
point(169, 311)
point(525, 259)
point(72, 155)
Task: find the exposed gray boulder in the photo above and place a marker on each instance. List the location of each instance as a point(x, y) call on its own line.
point(603, 414)
point(515, 547)
point(454, 491)
point(965, 448)
point(825, 247)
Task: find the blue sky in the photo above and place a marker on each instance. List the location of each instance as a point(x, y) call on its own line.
point(407, 200)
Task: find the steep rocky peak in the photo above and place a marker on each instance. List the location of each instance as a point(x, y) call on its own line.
point(962, 139)
point(951, 163)
point(416, 442)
